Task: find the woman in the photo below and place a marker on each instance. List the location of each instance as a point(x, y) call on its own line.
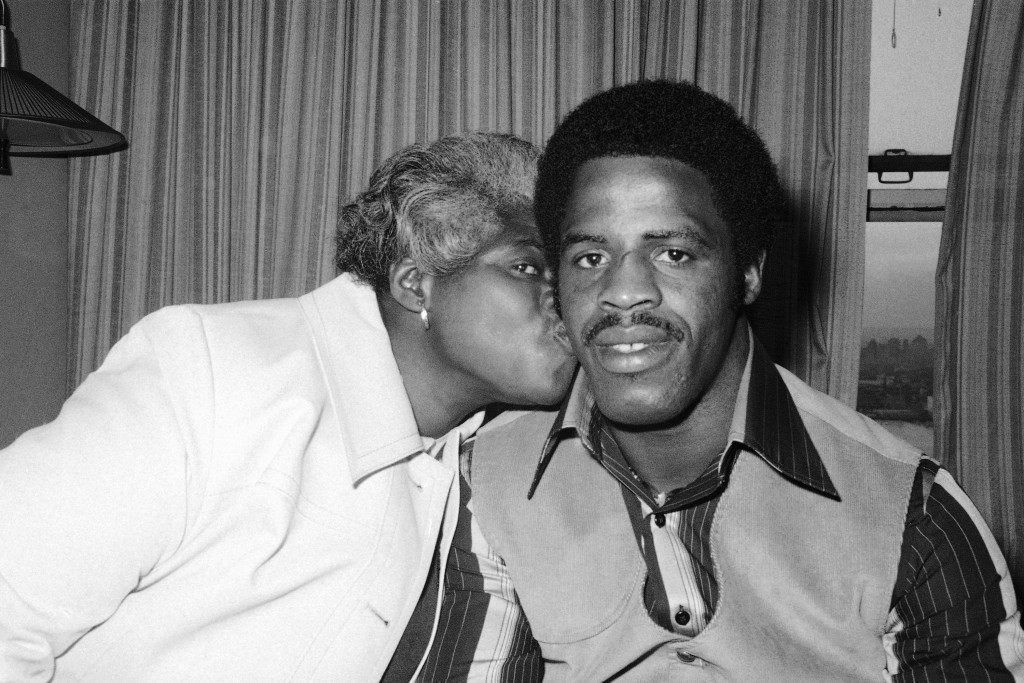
point(446, 238)
point(265, 490)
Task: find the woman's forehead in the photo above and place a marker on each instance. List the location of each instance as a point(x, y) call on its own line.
point(516, 226)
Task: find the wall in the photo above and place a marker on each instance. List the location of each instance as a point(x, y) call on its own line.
point(33, 243)
point(915, 86)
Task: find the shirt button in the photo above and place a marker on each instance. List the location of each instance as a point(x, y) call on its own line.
point(686, 657)
point(659, 520)
point(682, 617)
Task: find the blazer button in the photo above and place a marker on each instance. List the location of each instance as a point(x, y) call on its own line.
point(659, 520)
point(686, 657)
point(682, 617)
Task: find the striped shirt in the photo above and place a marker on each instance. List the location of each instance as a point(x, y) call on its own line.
point(953, 610)
point(480, 632)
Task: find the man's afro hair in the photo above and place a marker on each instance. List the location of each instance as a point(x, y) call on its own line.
point(675, 121)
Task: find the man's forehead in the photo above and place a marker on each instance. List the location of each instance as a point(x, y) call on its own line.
point(645, 197)
point(591, 170)
point(638, 184)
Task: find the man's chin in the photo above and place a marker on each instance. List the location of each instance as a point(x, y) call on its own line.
point(636, 408)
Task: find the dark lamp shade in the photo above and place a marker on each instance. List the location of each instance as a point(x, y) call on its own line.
point(37, 120)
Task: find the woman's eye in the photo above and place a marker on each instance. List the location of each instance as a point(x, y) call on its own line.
point(590, 260)
point(526, 268)
point(673, 256)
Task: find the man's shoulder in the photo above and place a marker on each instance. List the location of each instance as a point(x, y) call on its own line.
point(521, 431)
point(829, 420)
point(513, 440)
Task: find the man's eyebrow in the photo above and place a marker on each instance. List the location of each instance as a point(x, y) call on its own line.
point(686, 233)
point(578, 237)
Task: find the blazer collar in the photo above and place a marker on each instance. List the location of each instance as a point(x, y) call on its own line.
point(366, 389)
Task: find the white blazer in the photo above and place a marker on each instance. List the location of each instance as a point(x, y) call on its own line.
point(238, 494)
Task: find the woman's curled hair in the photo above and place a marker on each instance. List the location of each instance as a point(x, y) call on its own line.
point(435, 203)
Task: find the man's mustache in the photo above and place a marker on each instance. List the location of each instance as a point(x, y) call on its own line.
point(638, 318)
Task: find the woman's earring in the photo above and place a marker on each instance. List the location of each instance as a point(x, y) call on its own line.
point(425, 318)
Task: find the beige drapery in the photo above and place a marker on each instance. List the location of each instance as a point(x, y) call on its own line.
point(979, 302)
point(249, 122)
point(799, 71)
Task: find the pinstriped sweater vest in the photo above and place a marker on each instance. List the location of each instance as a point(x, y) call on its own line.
point(805, 581)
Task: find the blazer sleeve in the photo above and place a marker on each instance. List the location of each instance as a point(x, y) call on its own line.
point(92, 501)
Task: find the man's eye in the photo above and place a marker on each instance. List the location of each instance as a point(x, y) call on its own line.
point(590, 260)
point(526, 268)
point(673, 256)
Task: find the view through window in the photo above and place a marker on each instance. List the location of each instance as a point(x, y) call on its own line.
point(897, 342)
point(917, 55)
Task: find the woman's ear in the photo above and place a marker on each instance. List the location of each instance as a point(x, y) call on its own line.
point(410, 286)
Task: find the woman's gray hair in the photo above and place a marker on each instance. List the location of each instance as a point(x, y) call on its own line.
point(435, 204)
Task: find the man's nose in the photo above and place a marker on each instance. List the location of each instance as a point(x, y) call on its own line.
point(630, 283)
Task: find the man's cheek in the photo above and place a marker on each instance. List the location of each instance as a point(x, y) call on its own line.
point(573, 298)
point(575, 322)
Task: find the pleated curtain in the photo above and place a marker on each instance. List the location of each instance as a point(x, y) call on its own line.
point(979, 309)
point(251, 123)
point(799, 72)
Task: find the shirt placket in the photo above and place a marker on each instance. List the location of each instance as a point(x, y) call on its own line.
point(688, 611)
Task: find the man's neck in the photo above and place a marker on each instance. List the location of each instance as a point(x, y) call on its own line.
point(670, 456)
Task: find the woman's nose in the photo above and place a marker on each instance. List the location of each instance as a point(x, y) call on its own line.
point(547, 296)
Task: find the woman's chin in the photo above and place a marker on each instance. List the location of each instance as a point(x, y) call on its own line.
point(544, 389)
point(533, 401)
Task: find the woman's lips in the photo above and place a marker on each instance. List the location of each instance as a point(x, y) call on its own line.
point(556, 329)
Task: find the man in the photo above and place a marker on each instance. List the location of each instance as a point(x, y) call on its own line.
point(268, 491)
point(698, 512)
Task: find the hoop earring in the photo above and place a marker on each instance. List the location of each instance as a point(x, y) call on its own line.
point(425, 318)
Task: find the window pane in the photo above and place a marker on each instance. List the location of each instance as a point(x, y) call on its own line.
point(897, 345)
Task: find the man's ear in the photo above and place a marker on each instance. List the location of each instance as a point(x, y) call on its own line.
point(410, 286)
point(752, 279)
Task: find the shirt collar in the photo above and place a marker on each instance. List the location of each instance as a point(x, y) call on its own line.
point(765, 421)
point(447, 447)
point(575, 416)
